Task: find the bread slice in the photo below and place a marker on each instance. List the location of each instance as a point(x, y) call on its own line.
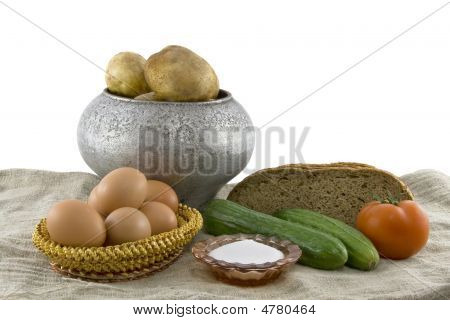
point(338, 190)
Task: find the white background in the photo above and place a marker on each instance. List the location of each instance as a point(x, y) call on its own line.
point(392, 110)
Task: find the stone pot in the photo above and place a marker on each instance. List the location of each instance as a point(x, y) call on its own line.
point(196, 147)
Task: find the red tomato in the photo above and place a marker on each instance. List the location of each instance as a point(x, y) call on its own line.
point(398, 231)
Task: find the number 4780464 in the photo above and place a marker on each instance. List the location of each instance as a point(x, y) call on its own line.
point(287, 309)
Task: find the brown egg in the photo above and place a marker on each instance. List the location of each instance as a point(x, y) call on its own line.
point(94, 203)
point(123, 187)
point(126, 225)
point(161, 217)
point(74, 223)
point(161, 192)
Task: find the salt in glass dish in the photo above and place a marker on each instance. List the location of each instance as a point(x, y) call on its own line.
point(246, 274)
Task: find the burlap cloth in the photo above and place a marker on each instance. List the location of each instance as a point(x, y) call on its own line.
point(26, 196)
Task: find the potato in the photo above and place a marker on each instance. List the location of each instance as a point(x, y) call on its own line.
point(178, 74)
point(125, 75)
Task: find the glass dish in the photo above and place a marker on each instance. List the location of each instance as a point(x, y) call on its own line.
point(246, 274)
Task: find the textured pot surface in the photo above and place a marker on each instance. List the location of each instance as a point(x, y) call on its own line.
point(196, 147)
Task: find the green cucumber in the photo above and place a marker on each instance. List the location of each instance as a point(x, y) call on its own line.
point(319, 250)
point(362, 254)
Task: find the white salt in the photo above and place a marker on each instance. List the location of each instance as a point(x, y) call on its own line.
point(246, 252)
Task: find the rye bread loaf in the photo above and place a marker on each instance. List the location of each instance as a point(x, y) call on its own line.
point(338, 190)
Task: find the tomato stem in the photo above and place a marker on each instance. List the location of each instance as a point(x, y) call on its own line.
point(390, 199)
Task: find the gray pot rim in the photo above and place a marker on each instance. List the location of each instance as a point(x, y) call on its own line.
point(223, 94)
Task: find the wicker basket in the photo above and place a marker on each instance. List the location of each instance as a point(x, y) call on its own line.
point(129, 258)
